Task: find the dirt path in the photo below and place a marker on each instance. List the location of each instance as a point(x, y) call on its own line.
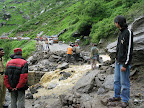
point(58, 47)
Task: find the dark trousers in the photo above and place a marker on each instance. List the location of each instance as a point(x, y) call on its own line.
point(68, 57)
point(18, 99)
point(76, 56)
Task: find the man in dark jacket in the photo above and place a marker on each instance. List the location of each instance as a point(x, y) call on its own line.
point(15, 79)
point(124, 51)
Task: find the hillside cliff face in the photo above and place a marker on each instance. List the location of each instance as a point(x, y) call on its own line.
point(79, 18)
point(88, 20)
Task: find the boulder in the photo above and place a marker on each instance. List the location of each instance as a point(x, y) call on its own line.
point(52, 85)
point(100, 91)
point(29, 96)
point(65, 75)
point(86, 83)
point(44, 62)
point(109, 82)
point(63, 66)
point(31, 60)
point(54, 58)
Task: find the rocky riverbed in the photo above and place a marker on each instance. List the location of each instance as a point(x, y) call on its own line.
point(75, 85)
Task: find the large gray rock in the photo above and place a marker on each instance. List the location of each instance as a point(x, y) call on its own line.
point(109, 81)
point(63, 66)
point(52, 85)
point(54, 58)
point(65, 75)
point(44, 62)
point(86, 83)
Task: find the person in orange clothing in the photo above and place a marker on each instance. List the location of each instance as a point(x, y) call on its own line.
point(69, 52)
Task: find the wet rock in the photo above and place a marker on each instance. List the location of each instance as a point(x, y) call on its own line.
point(61, 78)
point(86, 83)
point(85, 105)
point(98, 83)
point(101, 77)
point(63, 99)
point(44, 62)
point(31, 60)
point(104, 101)
point(102, 71)
point(104, 68)
point(33, 90)
point(100, 91)
point(29, 96)
point(100, 60)
point(107, 63)
point(66, 74)
point(54, 58)
point(109, 81)
point(86, 58)
point(133, 72)
point(110, 70)
point(63, 66)
point(52, 85)
point(37, 106)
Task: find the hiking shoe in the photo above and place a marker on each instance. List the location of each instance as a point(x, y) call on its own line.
point(113, 99)
point(124, 105)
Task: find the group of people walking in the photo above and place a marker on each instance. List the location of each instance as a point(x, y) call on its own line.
point(42, 45)
point(14, 78)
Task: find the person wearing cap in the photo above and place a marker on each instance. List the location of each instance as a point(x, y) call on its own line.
point(94, 56)
point(15, 79)
point(2, 87)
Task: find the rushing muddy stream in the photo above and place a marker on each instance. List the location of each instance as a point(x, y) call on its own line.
point(62, 86)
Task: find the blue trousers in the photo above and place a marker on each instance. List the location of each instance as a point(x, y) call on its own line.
point(122, 83)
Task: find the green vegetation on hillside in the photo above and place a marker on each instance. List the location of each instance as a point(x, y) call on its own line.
point(91, 18)
point(87, 17)
point(8, 45)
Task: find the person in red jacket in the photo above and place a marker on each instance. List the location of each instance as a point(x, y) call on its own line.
point(15, 79)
